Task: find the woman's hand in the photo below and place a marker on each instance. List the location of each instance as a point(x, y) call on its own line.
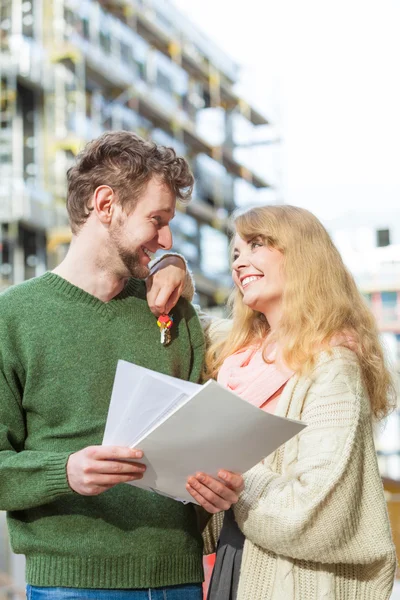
point(165, 284)
point(213, 494)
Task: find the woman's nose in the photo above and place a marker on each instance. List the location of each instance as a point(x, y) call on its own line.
point(240, 262)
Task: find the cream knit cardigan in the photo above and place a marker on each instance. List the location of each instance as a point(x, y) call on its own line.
point(314, 513)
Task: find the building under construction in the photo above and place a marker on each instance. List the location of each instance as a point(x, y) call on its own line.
point(71, 69)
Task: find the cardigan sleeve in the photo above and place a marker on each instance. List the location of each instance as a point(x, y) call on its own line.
point(215, 328)
point(311, 511)
point(189, 284)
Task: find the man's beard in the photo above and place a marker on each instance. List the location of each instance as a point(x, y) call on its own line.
point(130, 260)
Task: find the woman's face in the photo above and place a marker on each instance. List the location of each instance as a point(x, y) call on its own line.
point(257, 270)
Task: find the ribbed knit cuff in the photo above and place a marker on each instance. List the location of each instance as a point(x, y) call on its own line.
point(189, 286)
point(56, 474)
point(255, 482)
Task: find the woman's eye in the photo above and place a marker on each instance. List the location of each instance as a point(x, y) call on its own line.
point(256, 244)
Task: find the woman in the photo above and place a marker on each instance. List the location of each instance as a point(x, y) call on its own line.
point(312, 521)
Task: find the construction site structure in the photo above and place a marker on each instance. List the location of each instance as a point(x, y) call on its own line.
point(71, 69)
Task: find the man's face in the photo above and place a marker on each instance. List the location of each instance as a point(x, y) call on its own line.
point(145, 230)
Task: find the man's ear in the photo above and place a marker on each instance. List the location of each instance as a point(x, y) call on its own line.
point(104, 203)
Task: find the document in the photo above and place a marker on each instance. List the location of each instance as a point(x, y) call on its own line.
point(183, 427)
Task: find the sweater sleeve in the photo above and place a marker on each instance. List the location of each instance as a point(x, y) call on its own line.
point(310, 511)
point(28, 478)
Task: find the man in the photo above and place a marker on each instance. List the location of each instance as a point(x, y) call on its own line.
point(61, 336)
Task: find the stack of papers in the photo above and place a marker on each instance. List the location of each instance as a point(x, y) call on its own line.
point(183, 427)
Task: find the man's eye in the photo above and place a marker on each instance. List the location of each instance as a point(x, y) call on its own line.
point(157, 220)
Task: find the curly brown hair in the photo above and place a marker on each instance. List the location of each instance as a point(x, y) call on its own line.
point(126, 162)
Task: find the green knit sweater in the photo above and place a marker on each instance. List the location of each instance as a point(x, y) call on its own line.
point(59, 348)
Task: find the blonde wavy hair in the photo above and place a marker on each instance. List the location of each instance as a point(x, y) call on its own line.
point(320, 301)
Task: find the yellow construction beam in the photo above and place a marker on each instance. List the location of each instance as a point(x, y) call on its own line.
point(66, 52)
point(58, 237)
point(71, 143)
point(8, 95)
point(221, 295)
point(175, 51)
point(245, 109)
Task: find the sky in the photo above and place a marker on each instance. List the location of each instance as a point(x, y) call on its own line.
point(327, 75)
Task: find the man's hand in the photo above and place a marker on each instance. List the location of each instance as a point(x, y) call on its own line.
point(215, 494)
point(96, 469)
point(165, 284)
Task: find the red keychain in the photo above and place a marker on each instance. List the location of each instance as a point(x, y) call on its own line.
point(165, 323)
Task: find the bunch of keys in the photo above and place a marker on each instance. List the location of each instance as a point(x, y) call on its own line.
point(165, 323)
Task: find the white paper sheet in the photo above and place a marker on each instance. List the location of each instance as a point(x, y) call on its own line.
point(131, 402)
point(211, 429)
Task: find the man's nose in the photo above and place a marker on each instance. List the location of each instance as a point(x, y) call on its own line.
point(165, 238)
